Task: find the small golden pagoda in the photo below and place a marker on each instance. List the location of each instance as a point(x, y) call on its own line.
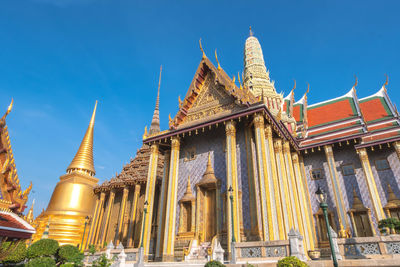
point(72, 202)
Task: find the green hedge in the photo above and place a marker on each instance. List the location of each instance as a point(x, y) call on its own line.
point(42, 247)
point(214, 264)
point(70, 254)
point(17, 255)
point(291, 262)
point(42, 262)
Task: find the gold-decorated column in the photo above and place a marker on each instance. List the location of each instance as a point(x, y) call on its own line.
point(373, 191)
point(149, 197)
point(294, 200)
point(269, 225)
point(162, 208)
point(277, 213)
point(343, 221)
point(283, 186)
point(121, 216)
point(99, 220)
point(96, 217)
point(302, 195)
point(231, 175)
point(170, 218)
point(133, 214)
point(108, 212)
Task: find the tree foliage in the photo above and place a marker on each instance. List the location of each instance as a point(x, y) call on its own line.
point(42, 247)
point(393, 224)
point(70, 254)
point(41, 262)
point(17, 255)
point(214, 264)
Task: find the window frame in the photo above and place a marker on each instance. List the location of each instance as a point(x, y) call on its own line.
point(345, 165)
point(321, 172)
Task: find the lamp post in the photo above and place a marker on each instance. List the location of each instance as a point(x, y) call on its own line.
point(84, 230)
point(233, 248)
point(321, 197)
point(144, 221)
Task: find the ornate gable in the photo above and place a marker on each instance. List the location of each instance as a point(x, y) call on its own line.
point(211, 94)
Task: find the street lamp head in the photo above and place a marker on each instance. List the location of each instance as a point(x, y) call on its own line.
point(230, 190)
point(87, 219)
point(146, 204)
point(321, 195)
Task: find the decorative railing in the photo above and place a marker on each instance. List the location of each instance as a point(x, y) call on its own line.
point(369, 247)
point(260, 249)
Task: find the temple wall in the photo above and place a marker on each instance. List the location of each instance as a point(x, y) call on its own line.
point(213, 142)
point(384, 177)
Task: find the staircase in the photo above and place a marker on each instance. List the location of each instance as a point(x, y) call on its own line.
point(178, 250)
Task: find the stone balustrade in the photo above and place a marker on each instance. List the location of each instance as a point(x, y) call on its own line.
point(268, 250)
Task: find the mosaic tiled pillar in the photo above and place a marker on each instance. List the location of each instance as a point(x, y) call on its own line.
point(162, 208)
point(99, 220)
point(94, 220)
point(338, 194)
point(135, 200)
point(108, 213)
point(278, 216)
point(149, 197)
point(373, 191)
point(269, 226)
point(304, 210)
point(170, 218)
point(232, 180)
point(255, 216)
point(283, 186)
point(308, 200)
point(293, 195)
point(119, 231)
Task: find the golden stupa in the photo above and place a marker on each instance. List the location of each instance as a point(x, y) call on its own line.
point(72, 202)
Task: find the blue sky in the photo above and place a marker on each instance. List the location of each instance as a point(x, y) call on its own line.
point(58, 56)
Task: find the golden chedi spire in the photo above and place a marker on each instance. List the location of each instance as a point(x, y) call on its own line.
point(73, 198)
point(83, 160)
point(29, 216)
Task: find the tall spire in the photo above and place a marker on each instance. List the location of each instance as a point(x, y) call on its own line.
point(256, 76)
point(155, 123)
point(83, 159)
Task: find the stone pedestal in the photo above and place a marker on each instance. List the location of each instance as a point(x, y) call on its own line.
point(233, 253)
point(217, 252)
point(140, 261)
point(296, 245)
point(108, 250)
point(335, 244)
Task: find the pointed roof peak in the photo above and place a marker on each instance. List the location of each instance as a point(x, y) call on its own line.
point(83, 159)
point(155, 123)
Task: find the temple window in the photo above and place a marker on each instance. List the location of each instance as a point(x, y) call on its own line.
point(190, 154)
point(316, 174)
point(360, 218)
point(382, 164)
point(392, 208)
point(348, 169)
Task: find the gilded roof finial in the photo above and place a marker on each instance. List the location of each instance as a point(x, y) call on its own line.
point(294, 86)
point(83, 159)
point(308, 89)
point(356, 82)
point(3, 119)
point(155, 122)
point(180, 101)
point(145, 132)
point(240, 83)
point(29, 216)
point(188, 187)
point(251, 32)
point(216, 58)
point(386, 82)
point(201, 48)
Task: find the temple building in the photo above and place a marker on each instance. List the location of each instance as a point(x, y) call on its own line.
point(244, 142)
point(14, 227)
point(71, 205)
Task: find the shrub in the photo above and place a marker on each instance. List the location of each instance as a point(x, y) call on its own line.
point(92, 249)
point(291, 262)
point(249, 265)
point(393, 224)
point(42, 247)
point(102, 261)
point(70, 254)
point(17, 255)
point(67, 265)
point(214, 264)
point(41, 262)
